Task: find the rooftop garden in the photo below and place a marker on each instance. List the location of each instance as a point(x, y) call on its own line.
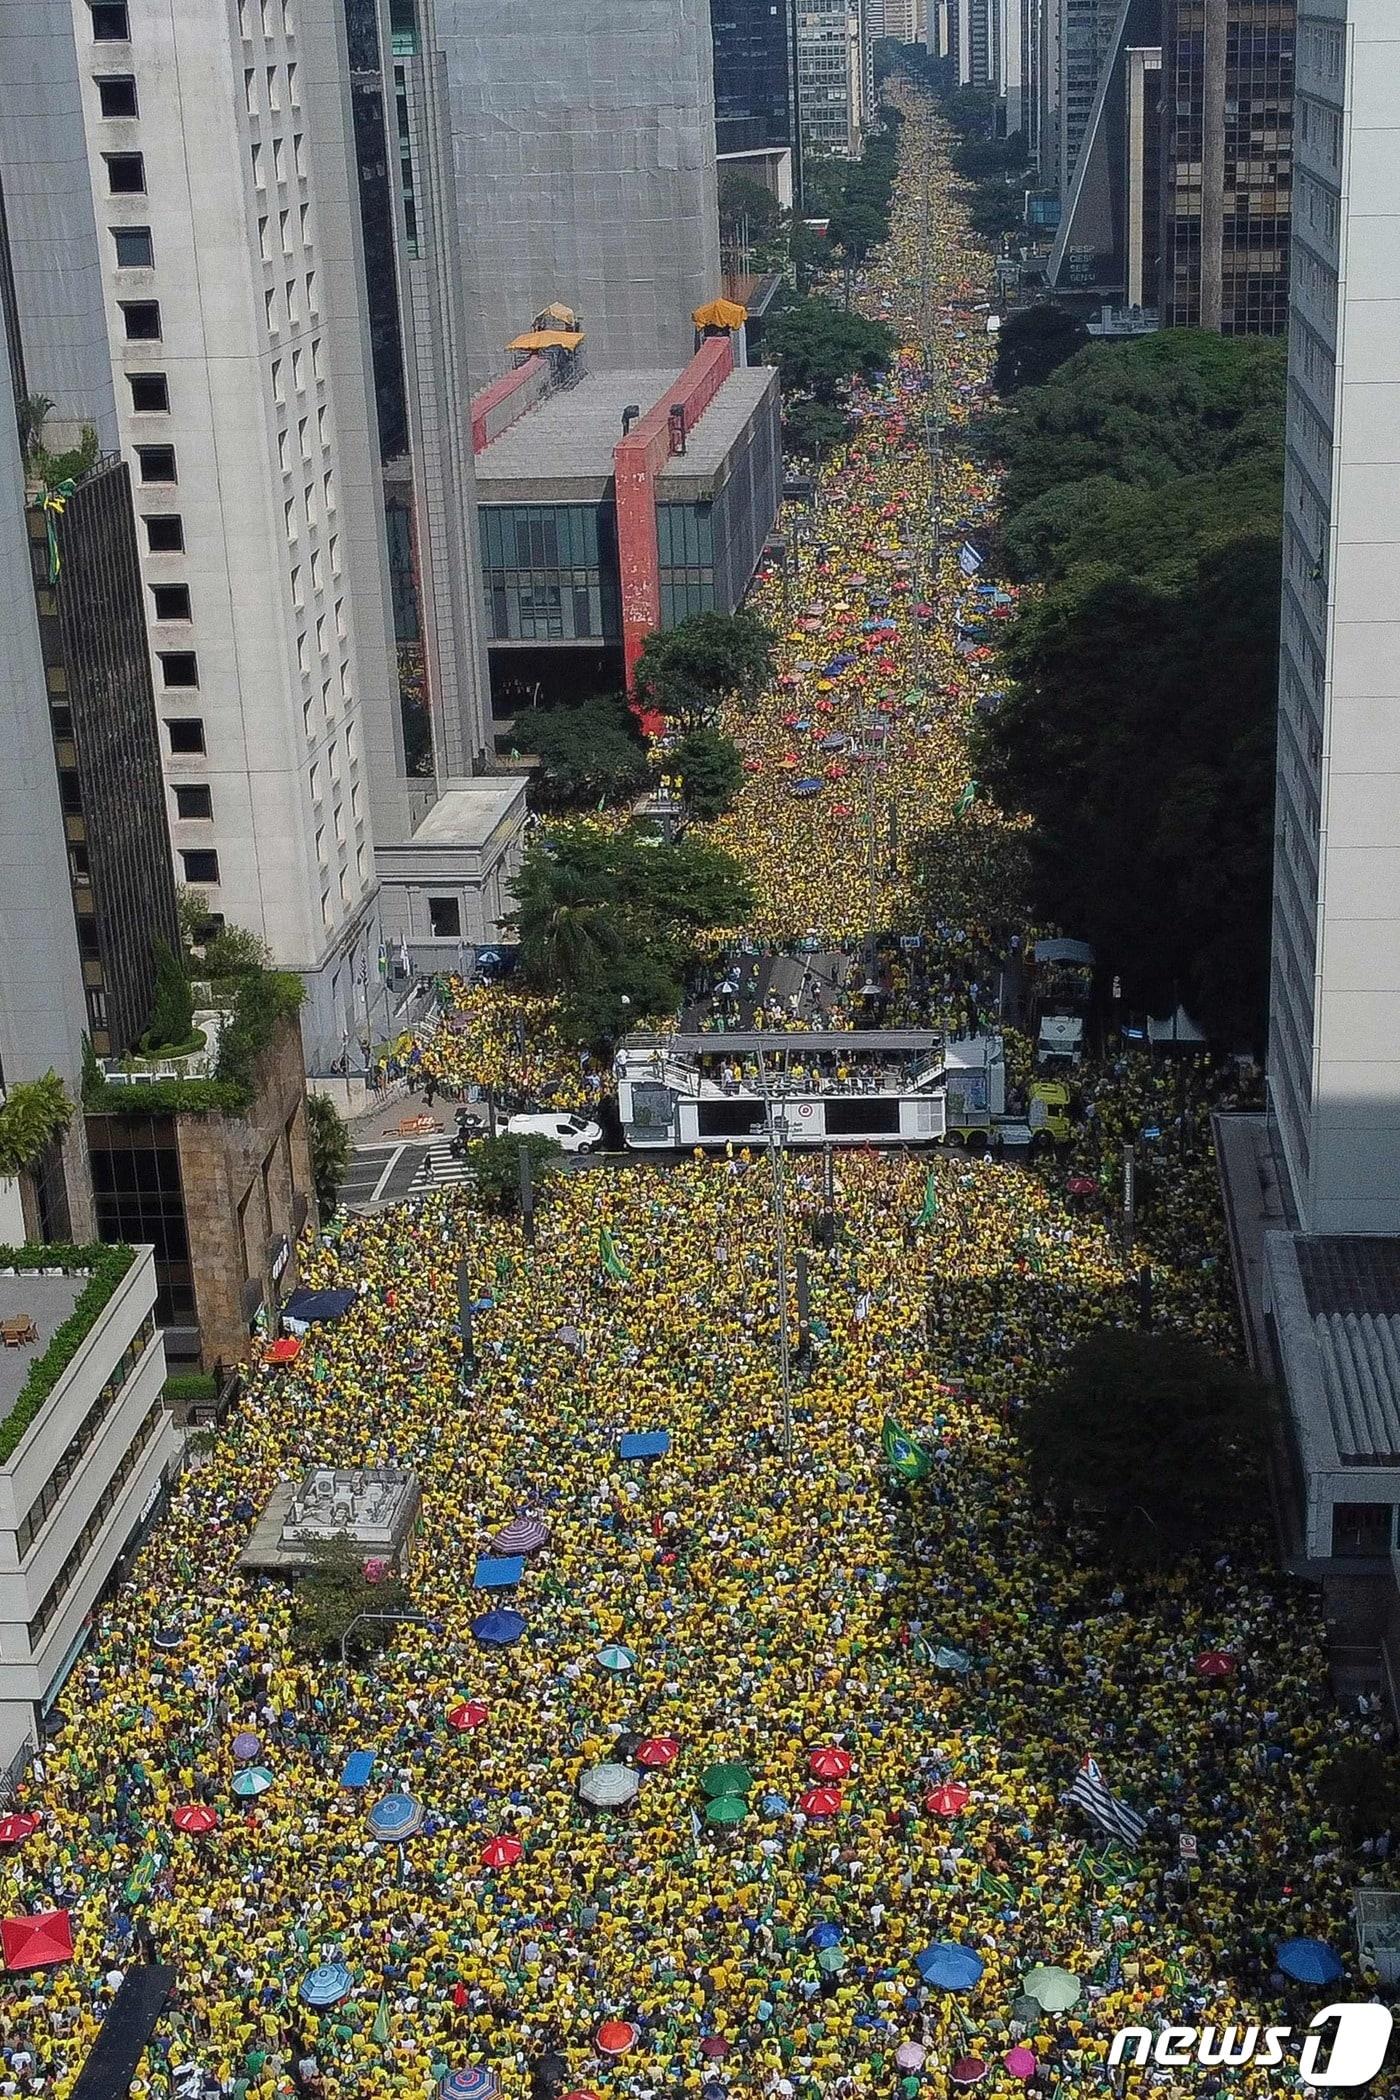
point(104, 1268)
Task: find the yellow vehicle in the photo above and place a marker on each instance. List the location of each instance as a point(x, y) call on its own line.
point(1048, 1111)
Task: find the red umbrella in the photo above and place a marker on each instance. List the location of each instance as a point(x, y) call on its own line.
point(616, 2037)
point(948, 1800)
point(968, 2069)
point(285, 1350)
point(470, 1714)
point(37, 1942)
point(821, 1801)
point(501, 1852)
point(1081, 1185)
point(1215, 1663)
point(657, 1750)
point(830, 1762)
point(194, 1818)
point(714, 2045)
point(15, 1829)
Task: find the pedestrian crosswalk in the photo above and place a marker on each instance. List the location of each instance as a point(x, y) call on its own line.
point(440, 1169)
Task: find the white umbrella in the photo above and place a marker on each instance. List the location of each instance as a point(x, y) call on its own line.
point(608, 1786)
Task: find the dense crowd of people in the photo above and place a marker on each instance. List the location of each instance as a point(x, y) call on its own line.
point(909, 1675)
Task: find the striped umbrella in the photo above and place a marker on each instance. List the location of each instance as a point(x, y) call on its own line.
point(326, 1985)
point(608, 1786)
point(617, 1658)
point(521, 1535)
point(252, 1781)
point(472, 2082)
point(395, 1817)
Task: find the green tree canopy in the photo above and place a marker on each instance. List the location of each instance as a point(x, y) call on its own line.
point(746, 205)
point(496, 1165)
point(686, 671)
point(1033, 343)
point(612, 921)
point(1147, 411)
point(818, 348)
point(33, 1113)
point(584, 752)
point(172, 1010)
point(1138, 733)
point(332, 1591)
point(1153, 1438)
point(710, 770)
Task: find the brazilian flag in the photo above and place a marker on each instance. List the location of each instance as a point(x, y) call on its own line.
point(379, 2032)
point(610, 1258)
point(902, 1455)
point(967, 798)
point(930, 1205)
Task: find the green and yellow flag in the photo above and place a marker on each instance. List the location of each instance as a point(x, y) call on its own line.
point(967, 798)
point(930, 1205)
point(610, 1258)
point(53, 503)
point(902, 1455)
point(379, 2032)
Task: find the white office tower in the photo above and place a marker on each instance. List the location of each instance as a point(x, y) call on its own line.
point(1334, 1035)
point(220, 152)
point(834, 77)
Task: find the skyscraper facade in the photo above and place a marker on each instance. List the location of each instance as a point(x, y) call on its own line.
point(583, 140)
point(1227, 143)
point(403, 158)
point(85, 571)
point(1334, 1032)
point(221, 156)
point(831, 76)
point(1086, 33)
point(755, 74)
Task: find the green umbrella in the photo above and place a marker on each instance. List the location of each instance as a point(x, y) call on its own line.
point(726, 1779)
point(831, 1959)
point(726, 1808)
point(1054, 1989)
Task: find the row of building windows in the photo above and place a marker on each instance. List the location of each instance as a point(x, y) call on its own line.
point(39, 1511)
point(106, 1503)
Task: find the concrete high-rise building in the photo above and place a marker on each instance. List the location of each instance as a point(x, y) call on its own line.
point(221, 154)
point(1227, 116)
point(1334, 1032)
point(895, 19)
point(833, 83)
point(584, 147)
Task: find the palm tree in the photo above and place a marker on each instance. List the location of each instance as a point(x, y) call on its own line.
point(35, 1112)
point(578, 941)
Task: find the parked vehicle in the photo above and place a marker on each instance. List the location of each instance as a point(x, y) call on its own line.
point(571, 1133)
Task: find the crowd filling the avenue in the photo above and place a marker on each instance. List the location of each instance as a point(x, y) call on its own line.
point(839, 1709)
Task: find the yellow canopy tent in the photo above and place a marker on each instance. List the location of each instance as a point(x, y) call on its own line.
point(720, 313)
point(546, 339)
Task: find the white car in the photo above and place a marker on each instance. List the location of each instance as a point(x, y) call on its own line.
point(573, 1133)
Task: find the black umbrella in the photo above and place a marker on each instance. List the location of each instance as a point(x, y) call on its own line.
point(549, 2072)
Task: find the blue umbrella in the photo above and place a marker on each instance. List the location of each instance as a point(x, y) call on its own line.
point(252, 1781)
point(948, 1966)
point(1308, 1961)
point(803, 788)
point(326, 1985)
point(498, 1628)
point(773, 1805)
point(395, 1817)
point(824, 1935)
point(168, 1639)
